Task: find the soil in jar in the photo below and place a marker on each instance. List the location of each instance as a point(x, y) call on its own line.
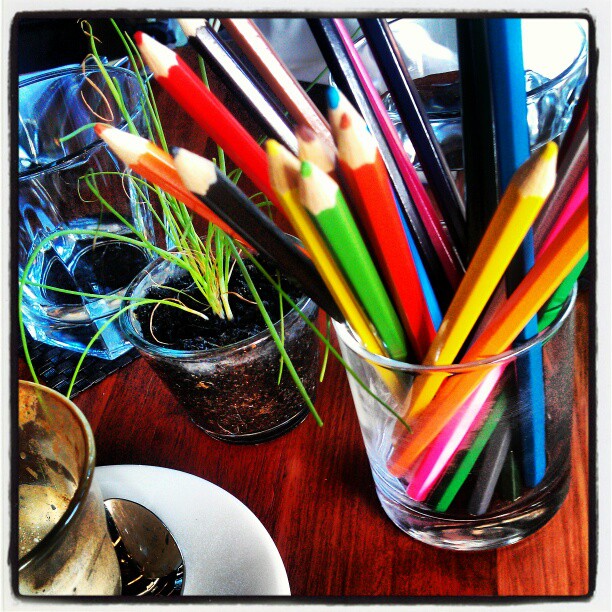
point(236, 395)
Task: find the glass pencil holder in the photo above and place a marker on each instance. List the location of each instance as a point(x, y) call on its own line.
point(486, 462)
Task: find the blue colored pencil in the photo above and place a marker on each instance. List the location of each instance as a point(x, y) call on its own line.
point(505, 50)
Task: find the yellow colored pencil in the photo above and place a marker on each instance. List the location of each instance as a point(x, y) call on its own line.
point(535, 289)
point(284, 176)
point(515, 214)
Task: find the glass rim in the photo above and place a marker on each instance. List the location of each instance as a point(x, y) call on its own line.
point(62, 71)
point(126, 322)
point(348, 337)
point(75, 506)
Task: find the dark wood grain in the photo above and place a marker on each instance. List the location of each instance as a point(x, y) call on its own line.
point(313, 491)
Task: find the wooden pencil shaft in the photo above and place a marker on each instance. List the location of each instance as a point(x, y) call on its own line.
point(237, 76)
point(447, 255)
point(347, 80)
point(268, 64)
point(414, 116)
point(230, 203)
point(479, 154)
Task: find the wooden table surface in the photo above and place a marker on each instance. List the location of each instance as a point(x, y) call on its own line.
point(313, 491)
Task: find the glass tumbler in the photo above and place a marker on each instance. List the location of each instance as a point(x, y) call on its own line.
point(492, 472)
point(68, 237)
point(63, 545)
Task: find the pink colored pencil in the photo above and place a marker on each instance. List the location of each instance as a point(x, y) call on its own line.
point(447, 255)
point(578, 195)
point(442, 450)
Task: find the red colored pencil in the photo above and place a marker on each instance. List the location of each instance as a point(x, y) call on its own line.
point(173, 74)
point(370, 193)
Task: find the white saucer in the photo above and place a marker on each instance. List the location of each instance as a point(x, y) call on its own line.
point(227, 551)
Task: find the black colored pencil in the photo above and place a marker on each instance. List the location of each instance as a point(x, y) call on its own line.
point(414, 116)
point(490, 469)
point(241, 80)
point(579, 116)
point(347, 80)
point(220, 194)
point(479, 156)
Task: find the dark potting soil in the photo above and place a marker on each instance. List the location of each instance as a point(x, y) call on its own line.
point(174, 328)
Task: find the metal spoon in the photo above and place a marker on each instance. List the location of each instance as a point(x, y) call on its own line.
point(149, 558)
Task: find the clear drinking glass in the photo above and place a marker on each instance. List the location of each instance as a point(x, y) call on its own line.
point(54, 196)
point(451, 497)
point(64, 547)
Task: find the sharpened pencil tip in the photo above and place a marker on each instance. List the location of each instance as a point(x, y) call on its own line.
point(345, 121)
point(306, 169)
point(272, 146)
point(138, 37)
point(99, 128)
point(303, 132)
point(333, 98)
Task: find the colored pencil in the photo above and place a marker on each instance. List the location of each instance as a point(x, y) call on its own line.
point(238, 77)
point(347, 81)
point(517, 210)
point(323, 199)
point(278, 77)
point(534, 290)
point(157, 166)
point(505, 48)
point(312, 148)
point(492, 463)
point(173, 74)
point(452, 265)
point(442, 450)
point(569, 172)
point(469, 460)
point(414, 116)
point(371, 197)
point(478, 129)
point(285, 177)
point(209, 184)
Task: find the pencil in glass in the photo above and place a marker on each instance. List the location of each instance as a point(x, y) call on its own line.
point(452, 265)
point(347, 81)
point(208, 183)
point(322, 197)
point(534, 290)
point(239, 79)
point(279, 78)
point(371, 197)
point(505, 52)
point(518, 208)
point(173, 74)
point(477, 121)
point(416, 122)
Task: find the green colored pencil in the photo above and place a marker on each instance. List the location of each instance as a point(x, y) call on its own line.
point(322, 198)
point(467, 463)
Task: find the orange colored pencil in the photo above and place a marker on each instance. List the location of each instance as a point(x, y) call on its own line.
point(157, 166)
point(539, 284)
point(371, 196)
